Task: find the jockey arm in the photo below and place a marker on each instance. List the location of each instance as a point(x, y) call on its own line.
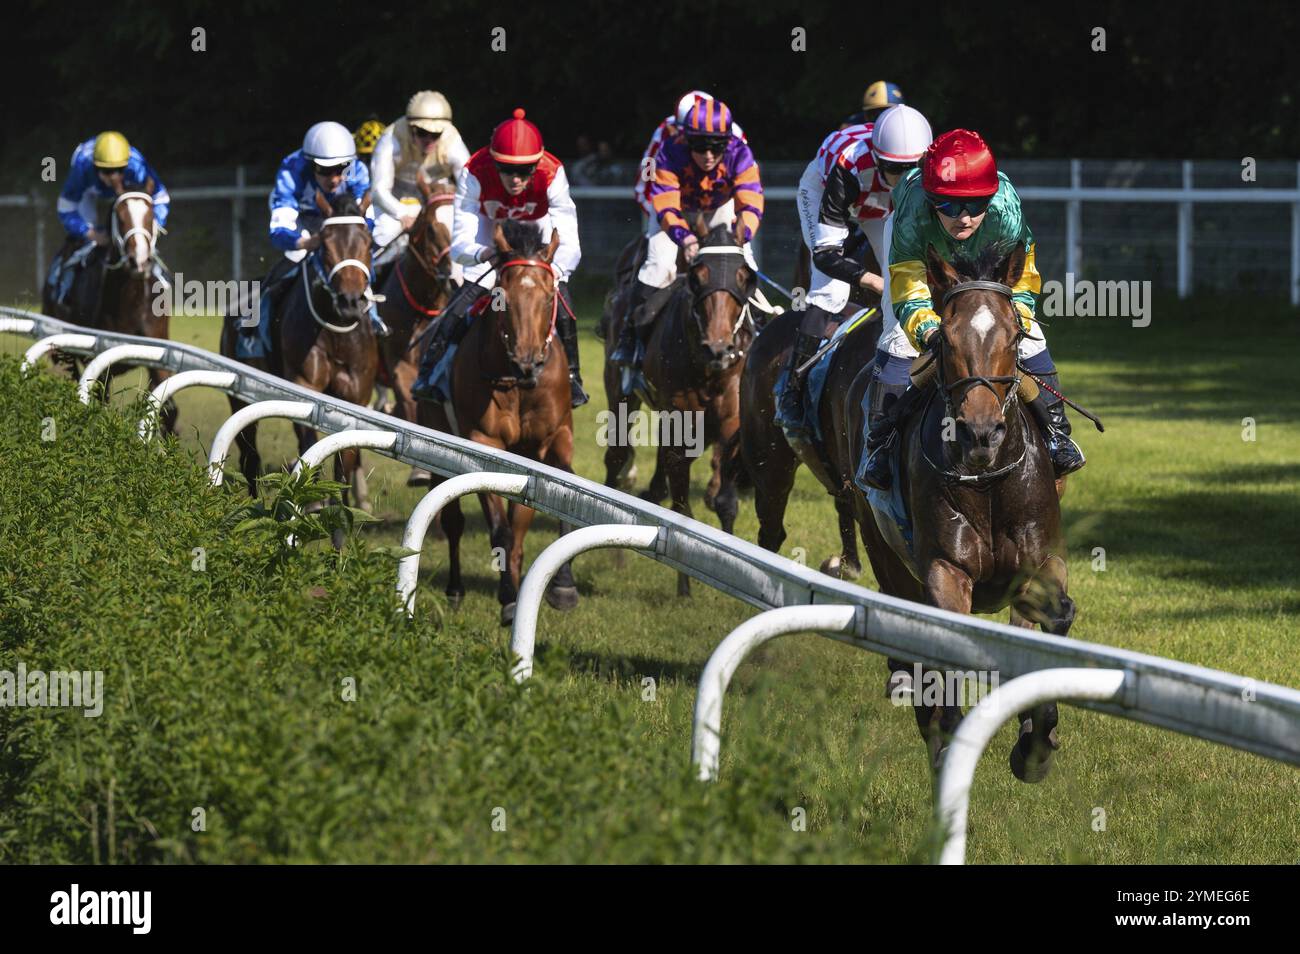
point(466, 250)
point(834, 223)
point(81, 177)
point(665, 192)
point(383, 166)
point(284, 207)
point(564, 220)
point(162, 202)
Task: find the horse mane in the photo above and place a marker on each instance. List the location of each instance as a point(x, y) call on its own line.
point(345, 204)
point(720, 235)
point(986, 265)
point(524, 238)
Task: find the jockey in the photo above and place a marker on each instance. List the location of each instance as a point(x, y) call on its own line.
point(878, 97)
point(101, 167)
point(848, 184)
point(326, 164)
point(667, 130)
point(705, 168)
point(512, 178)
point(422, 140)
point(366, 135)
point(957, 202)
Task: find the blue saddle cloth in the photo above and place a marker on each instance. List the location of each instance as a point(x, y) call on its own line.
point(814, 383)
point(890, 501)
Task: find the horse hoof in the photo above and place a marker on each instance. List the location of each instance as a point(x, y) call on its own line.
point(454, 599)
point(1025, 764)
point(419, 477)
point(508, 614)
point(562, 597)
point(839, 568)
point(628, 480)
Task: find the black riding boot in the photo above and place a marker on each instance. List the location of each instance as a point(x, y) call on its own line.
point(567, 328)
point(790, 409)
point(625, 352)
point(1065, 453)
point(887, 415)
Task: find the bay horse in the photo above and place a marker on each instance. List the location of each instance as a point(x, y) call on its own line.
point(116, 289)
point(325, 340)
point(693, 363)
point(510, 390)
point(976, 477)
point(414, 293)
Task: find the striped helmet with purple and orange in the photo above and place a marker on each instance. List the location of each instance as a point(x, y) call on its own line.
point(708, 117)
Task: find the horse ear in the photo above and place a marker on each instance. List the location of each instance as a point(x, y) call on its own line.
point(1013, 266)
point(548, 253)
point(365, 202)
point(499, 240)
point(939, 275)
point(323, 204)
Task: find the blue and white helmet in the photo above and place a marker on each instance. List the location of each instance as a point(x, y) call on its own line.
point(329, 144)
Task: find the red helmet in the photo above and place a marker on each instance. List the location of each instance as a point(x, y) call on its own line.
point(959, 164)
point(516, 141)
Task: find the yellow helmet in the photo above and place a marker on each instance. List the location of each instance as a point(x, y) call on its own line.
point(880, 94)
point(367, 135)
point(112, 151)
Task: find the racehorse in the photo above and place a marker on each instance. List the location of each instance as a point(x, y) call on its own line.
point(415, 291)
point(693, 362)
point(116, 290)
point(977, 481)
point(510, 390)
point(325, 340)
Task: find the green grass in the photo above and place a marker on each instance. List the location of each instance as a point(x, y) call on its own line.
point(1200, 529)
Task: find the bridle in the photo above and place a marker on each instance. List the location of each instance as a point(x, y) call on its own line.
point(556, 299)
point(951, 395)
point(120, 240)
point(723, 279)
point(440, 275)
point(325, 280)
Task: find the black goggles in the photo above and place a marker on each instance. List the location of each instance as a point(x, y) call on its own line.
point(523, 172)
point(331, 170)
point(895, 168)
point(703, 144)
point(953, 207)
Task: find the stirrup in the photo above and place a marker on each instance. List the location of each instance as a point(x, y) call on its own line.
point(577, 396)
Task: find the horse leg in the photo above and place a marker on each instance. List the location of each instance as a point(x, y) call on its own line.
point(346, 467)
point(721, 497)
point(452, 520)
point(250, 461)
point(562, 590)
point(1031, 756)
point(520, 518)
point(845, 566)
point(773, 480)
point(947, 587)
point(168, 412)
point(620, 455)
point(678, 467)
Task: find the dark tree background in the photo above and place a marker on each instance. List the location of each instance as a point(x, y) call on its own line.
point(1176, 81)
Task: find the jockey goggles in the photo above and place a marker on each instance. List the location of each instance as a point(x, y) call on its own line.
point(952, 207)
point(335, 170)
point(711, 144)
point(523, 172)
point(420, 133)
point(895, 168)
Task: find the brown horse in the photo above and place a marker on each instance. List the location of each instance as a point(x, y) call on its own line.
point(510, 390)
point(693, 363)
point(325, 339)
point(975, 474)
point(415, 291)
point(117, 290)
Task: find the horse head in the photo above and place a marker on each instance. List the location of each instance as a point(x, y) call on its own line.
point(133, 228)
point(977, 351)
point(721, 284)
point(527, 279)
point(430, 243)
point(344, 263)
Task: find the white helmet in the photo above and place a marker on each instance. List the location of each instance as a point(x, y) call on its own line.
point(429, 110)
point(687, 103)
point(329, 144)
point(901, 134)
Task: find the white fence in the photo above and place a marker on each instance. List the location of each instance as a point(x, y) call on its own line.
point(1217, 706)
point(617, 218)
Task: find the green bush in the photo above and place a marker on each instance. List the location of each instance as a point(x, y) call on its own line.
point(226, 689)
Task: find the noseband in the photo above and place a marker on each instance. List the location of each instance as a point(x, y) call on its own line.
point(556, 298)
point(120, 240)
point(725, 282)
point(324, 280)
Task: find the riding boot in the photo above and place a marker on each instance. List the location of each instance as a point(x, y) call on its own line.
point(1065, 453)
point(451, 327)
point(567, 327)
point(381, 329)
point(625, 351)
point(877, 466)
point(790, 405)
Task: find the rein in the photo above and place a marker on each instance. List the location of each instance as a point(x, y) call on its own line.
point(508, 382)
point(151, 235)
point(325, 280)
point(431, 270)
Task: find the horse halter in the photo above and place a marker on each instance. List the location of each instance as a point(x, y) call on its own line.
point(555, 305)
point(325, 280)
point(438, 273)
point(121, 240)
point(723, 279)
point(950, 475)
